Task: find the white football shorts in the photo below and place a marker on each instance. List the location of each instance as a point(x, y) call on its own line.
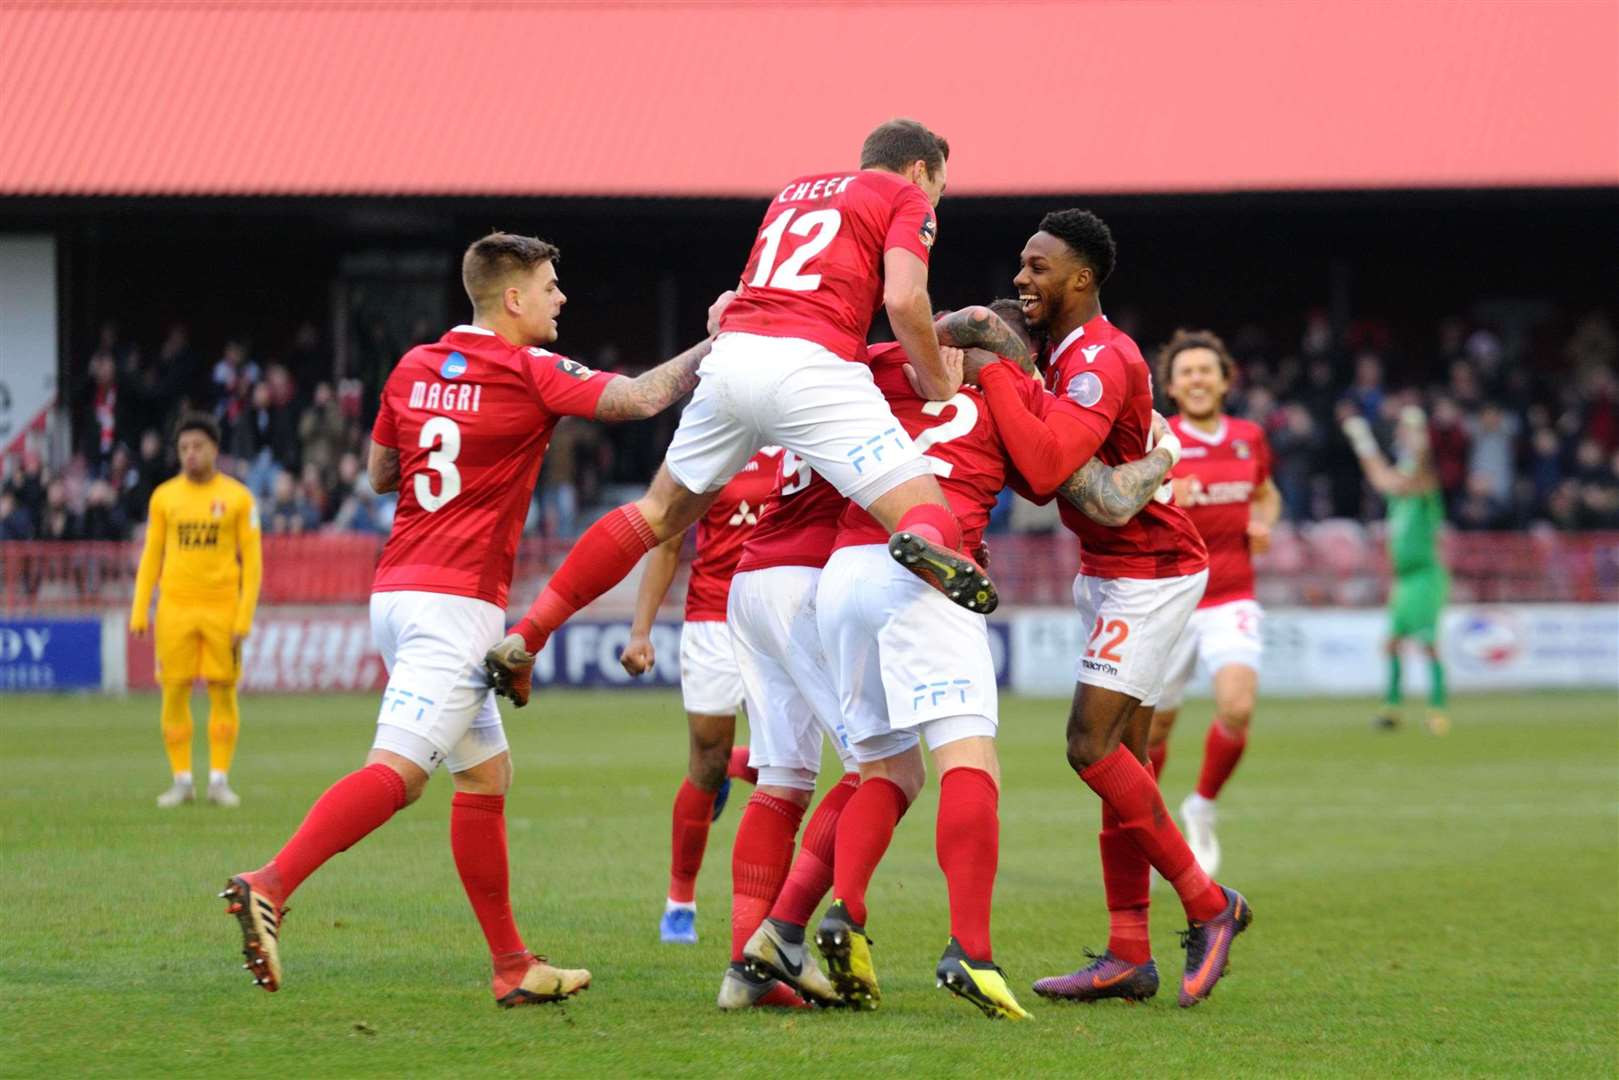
point(792, 701)
point(710, 684)
point(1134, 624)
point(758, 391)
point(903, 657)
point(438, 706)
point(1216, 637)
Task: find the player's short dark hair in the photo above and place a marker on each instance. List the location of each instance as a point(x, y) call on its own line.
point(1184, 339)
point(896, 144)
point(198, 422)
point(1088, 236)
point(492, 260)
point(1011, 313)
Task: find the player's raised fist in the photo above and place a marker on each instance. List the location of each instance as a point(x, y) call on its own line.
point(510, 667)
point(638, 656)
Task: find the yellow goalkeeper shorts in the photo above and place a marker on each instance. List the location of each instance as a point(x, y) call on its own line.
point(194, 639)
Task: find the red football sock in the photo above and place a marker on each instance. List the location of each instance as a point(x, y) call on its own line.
point(600, 559)
point(738, 767)
point(811, 875)
point(864, 832)
point(1125, 785)
point(1221, 752)
point(1156, 757)
point(349, 810)
point(478, 842)
point(933, 522)
point(694, 811)
point(1127, 880)
point(759, 860)
point(968, 840)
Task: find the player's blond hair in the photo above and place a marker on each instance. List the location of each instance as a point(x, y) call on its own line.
point(492, 261)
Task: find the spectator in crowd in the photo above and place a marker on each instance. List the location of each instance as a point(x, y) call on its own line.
point(1367, 390)
point(362, 510)
point(288, 510)
point(1493, 453)
point(16, 523)
point(1448, 430)
point(59, 521)
point(320, 431)
point(103, 518)
point(101, 431)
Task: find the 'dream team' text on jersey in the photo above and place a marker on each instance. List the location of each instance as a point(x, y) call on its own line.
point(1219, 474)
point(722, 531)
point(470, 415)
point(1098, 374)
point(959, 439)
point(816, 268)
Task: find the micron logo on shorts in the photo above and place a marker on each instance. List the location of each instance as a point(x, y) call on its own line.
point(1098, 665)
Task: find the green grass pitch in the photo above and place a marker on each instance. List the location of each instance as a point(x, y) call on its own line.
point(1423, 906)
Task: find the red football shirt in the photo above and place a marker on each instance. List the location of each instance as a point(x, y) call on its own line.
point(816, 269)
point(1221, 472)
point(1098, 375)
point(470, 416)
point(799, 523)
point(958, 437)
point(720, 535)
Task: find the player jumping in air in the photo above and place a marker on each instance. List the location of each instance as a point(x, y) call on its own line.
point(908, 663)
point(1223, 483)
point(710, 685)
point(460, 434)
point(787, 370)
point(1137, 585)
point(1421, 583)
point(202, 552)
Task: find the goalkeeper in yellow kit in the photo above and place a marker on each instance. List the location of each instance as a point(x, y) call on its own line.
point(202, 551)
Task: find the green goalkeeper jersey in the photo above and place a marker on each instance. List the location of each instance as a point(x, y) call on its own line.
point(1414, 522)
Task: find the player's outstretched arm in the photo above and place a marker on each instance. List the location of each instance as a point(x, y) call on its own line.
point(910, 316)
point(978, 327)
point(1047, 450)
point(651, 392)
point(382, 466)
point(638, 655)
point(1384, 478)
point(1113, 495)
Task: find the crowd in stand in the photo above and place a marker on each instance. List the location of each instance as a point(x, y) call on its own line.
point(1520, 436)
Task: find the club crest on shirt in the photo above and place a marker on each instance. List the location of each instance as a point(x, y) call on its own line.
point(573, 368)
point(928, 233)
point(454, 366)
point(1241, 449)
point(217, 509)
point(1085, 388)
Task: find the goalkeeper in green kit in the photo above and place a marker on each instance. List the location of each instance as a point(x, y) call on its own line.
point(1415, 512)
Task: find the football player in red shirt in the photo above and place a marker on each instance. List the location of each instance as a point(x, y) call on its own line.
point(710, 685)
point(462, 428)
point(792, 704)
point(1223, 483)
point(788, 370)
point(1137, 585)
point(906, 663)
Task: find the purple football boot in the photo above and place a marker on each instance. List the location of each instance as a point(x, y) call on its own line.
point(1208, 946)
point(1107, 977)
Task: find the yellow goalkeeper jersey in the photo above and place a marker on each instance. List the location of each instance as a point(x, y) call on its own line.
point(202, 547)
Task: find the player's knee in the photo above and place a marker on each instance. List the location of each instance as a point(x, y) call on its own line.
point(710, 759)
point(1235, 713)
point(1086, 748)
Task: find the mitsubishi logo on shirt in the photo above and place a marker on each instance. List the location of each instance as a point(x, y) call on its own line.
point(744, 515)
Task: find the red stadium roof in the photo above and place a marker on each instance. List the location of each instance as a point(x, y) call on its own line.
point(721, 98)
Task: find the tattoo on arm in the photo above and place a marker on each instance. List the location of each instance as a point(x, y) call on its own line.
point(384, 470)
point(653, 391)
point(979, 327)
point(1112, 496)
